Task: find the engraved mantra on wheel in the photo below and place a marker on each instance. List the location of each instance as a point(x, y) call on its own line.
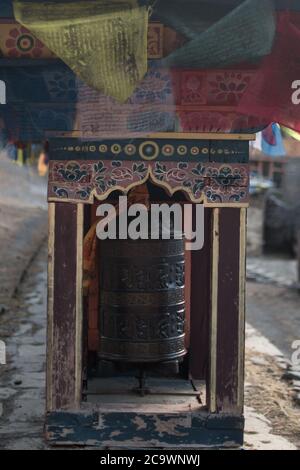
point(142, 306)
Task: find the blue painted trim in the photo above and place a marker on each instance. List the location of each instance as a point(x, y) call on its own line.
point(133, 430)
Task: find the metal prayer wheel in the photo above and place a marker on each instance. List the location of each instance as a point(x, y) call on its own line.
point(142, 305)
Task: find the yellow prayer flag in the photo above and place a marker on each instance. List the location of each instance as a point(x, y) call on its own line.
point(103, 42)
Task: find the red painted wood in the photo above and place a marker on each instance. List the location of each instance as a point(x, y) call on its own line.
point(200, 304)
point(87, 223)
point(228, 311)
point(64, 316)
point(188, 269)
point(93, 299)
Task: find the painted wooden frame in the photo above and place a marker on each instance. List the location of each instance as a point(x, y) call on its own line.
point(217, 310)
point(65, 320)
point(209, 170)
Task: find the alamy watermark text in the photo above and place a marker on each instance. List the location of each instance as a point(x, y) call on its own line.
point(137, 221)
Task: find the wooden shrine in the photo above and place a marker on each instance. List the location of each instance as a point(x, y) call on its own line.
point(217, 168)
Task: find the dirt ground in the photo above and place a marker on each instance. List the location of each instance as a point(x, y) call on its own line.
point(273, 310)
point(269, 395)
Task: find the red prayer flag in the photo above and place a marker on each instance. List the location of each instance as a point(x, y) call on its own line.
point(274, 93)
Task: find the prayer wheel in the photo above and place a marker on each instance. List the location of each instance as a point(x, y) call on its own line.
point(142, 304)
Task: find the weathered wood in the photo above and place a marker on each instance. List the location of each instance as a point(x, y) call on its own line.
point(228, 311)
point(93, 297)
point(50, 302)
point(200, 303)
point(213, 311)
point(119, 390)
point(129, 428)
point(242, 310)
point(87, 224)
point(187, 295)
point(216, 344)
point(64, 315)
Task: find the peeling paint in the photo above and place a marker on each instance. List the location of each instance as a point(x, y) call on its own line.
point(140, 423)
point(115, 434)
point(144, 430)
point(169, 425)
point(101, 422)
point(92, 443)
point(230, 444)
point(67, 432)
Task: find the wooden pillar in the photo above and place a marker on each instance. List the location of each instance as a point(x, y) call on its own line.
point(227, 313)
point(64, 345)
point(93, 299)
point(200, 303)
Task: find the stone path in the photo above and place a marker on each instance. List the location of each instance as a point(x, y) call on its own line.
point(22, 389)
point(275, 312)
point(23, 223)
point(274, 270)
